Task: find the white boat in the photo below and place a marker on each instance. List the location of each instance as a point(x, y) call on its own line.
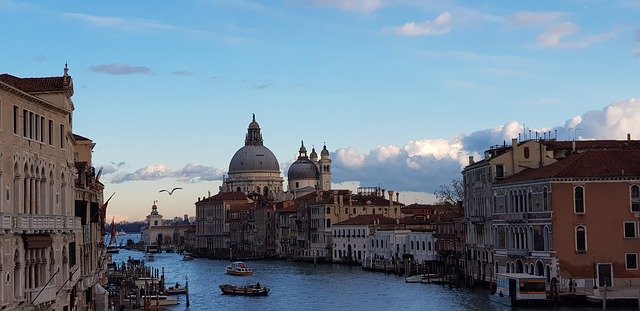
point(112, 249)
point(187, 257)
point(160, 300)
point(238, 268)
point(422, 278)
point(173, 290)
point(514, 289)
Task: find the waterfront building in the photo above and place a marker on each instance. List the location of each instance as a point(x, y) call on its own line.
point(51, 237)
point(287, 229)
point(478, 177)
point(388, 247)
point(350, 237)
point(253, 168)
point(319, 210)
point(575, 219)
point(164, 233)
point(212, 225)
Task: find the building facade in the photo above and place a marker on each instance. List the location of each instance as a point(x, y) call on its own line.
point(51, 239)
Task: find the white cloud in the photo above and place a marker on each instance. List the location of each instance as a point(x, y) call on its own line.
point(614, 121)
point(349, 157)
point(534, 18)
point(439, 26)
point(359, 6)
point(198, 172)
point(555, 37)
point(133, 24)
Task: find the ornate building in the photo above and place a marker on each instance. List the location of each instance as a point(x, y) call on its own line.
point(309, 174)
point(253, 168)
point(51, 250)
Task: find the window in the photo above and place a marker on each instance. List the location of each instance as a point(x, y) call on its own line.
point(24, 122)
point(581, 239)
point(631, 261)
point(61, 135)
point(545, 199)
point(635, 198)
point(50, 132)
point(526, 152)
point(578, 200)
point(499, 171)
point(15, 120)
point(630, 229)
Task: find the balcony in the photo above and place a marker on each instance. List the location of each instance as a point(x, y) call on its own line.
point(30, 222)
point(517, 252)
point(40, 295)
point(477, 220)
point(515, 217)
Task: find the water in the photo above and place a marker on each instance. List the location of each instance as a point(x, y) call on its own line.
point(302, 286)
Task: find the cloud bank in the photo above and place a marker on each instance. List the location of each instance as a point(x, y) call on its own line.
point(421, 165)
point(437, 27)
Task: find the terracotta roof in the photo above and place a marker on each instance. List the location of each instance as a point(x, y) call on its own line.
point(227, 196)
point(239, 207)
point(588, 164)
point(287, 207)
point(368, 220)
point(35, 85)
point(593, 144)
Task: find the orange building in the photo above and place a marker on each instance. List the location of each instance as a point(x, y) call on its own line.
point(578, 218)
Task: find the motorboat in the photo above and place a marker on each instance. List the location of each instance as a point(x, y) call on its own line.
point(187, 257)
point(514, 289)
point(422, 278)
point(249, 290)
point(238, 268)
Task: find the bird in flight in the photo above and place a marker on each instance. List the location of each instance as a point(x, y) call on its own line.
point(169, 192)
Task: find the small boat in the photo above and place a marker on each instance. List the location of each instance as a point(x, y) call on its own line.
point(176, 290)
point(250, 290)
point(121, 233)
point(187, 257)
point(112, 249)
point(421, 278)
point(238, 268)
point(513, 289)
point(160, 300)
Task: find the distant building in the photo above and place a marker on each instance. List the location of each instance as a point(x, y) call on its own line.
point(350, 237)
point(389, 247)
point(308, 174)
point(164, 233)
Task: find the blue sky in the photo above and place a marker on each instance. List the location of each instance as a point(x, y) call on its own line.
point(401, 91)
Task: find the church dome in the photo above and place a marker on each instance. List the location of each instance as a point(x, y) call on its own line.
point(303, 168)
point(253, 158)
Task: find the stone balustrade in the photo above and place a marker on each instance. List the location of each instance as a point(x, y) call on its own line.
point(38, 222)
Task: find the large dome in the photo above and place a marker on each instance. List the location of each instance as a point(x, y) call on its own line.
point(303, 169)
point(251, 158)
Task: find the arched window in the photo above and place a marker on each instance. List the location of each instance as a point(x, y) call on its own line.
point(540, 268)
point(328, 222)
point(354, 210)
point(265, 190)
point(424, 248)
point(238, 189)
point(328, 210)
point(578, 200)
point(545, 199)
point(635, 198)
point(581, 239)
point(346, 210)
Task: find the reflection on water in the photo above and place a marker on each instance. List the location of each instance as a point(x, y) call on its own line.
point(305, 287)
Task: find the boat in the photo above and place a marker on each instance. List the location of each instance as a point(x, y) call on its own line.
point(238, 268)
point(121, 233)
point(176, 290)
point(112, 249)
point(249, 290)
point(422, 278)
point(187, 257)
point(513, 289)
point(160, 300)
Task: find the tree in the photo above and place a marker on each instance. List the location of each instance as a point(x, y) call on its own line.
point(451, 193)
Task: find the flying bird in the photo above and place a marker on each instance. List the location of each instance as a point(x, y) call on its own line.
point(169, 192)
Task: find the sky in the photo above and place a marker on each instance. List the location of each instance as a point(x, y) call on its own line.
point(401, 91)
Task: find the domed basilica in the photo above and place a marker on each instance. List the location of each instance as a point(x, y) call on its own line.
point(254, 169)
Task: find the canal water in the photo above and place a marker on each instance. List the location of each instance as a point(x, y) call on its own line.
point(303, 286)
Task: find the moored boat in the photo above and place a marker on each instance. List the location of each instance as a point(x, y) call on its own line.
point(238, 268)
point(250, 290)
point(161, 300)
point(176, 290)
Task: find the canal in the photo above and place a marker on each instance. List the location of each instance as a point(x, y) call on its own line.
point(303, 286)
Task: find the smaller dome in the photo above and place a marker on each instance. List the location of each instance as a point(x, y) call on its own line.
point(313, 154)
point(254, 124)
point(303, 169)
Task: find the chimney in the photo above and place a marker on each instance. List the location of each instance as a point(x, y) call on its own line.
point(390, 197)
point(470, 159)
point(573, 146)
point(514, 143)
point(628, 136)
point(398, 197)
point(335, 196)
